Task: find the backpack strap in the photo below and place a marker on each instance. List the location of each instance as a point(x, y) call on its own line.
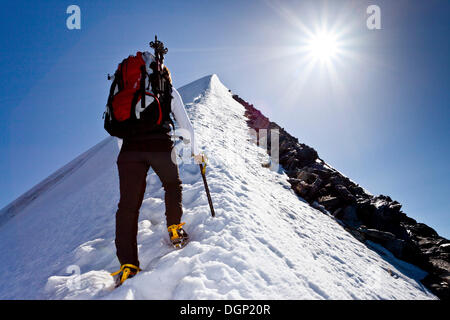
point(119, 74)
point(112, 89)
point(142, 84)
point(117, 82)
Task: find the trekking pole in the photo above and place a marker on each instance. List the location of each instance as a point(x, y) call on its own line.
point(160, 51)
point(203, 173)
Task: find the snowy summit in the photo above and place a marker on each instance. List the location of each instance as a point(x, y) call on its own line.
point(57, 240)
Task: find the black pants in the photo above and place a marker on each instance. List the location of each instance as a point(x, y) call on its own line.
point(133, 167)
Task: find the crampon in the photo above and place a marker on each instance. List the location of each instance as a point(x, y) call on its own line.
point(178, 237)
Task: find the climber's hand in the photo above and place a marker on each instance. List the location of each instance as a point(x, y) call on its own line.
point(199, 158)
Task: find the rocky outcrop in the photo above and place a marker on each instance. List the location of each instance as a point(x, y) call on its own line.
point(369, 218)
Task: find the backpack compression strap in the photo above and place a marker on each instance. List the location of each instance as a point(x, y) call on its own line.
point(145, 92)
point(159, 106)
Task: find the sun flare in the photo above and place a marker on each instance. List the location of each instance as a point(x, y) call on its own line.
point(321, 51)
point(323, 46)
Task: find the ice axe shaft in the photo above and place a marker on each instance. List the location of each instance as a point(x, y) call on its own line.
point(202, 171)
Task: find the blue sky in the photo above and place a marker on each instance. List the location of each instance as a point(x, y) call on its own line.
point(380, 115)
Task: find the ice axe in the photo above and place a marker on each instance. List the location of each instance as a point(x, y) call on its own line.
point(202, 166)
point(203, 173)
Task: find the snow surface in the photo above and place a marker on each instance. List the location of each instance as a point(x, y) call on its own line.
point(57, 241)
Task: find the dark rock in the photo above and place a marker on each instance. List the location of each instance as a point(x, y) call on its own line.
point(356, 190)
point(292, 164)
point(412, 254)
point(329, 202)
point(322, 192)
point(387, 240)
point(426, 243)
point(307, 177)
point(337, 179)
point(306, 155)
point(396, 246)
point(395, 206)
point(345, 194)
point(358, 235)
point(294, 181)
point(440, 265)
point(423, 230)
point(400, 231)
point(322, 173)
point(444, 248)
point(338, 213)
point(438, 286)
point(307, 184)
point(408, 221)
point(365, 211)
point(350, 217)
point(302, 189)
point(378, 235)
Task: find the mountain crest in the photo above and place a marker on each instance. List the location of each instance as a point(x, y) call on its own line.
point(264, 243)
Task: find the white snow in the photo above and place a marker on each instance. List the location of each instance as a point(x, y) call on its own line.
point(265, 242)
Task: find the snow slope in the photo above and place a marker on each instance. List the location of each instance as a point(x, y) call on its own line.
point(265, 242)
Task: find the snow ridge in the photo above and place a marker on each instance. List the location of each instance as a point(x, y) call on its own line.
point(24, 200)
point(265, 243)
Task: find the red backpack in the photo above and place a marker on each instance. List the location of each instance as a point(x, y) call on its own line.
point(127, 90)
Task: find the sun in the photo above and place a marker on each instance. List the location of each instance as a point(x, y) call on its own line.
point(322, 46)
